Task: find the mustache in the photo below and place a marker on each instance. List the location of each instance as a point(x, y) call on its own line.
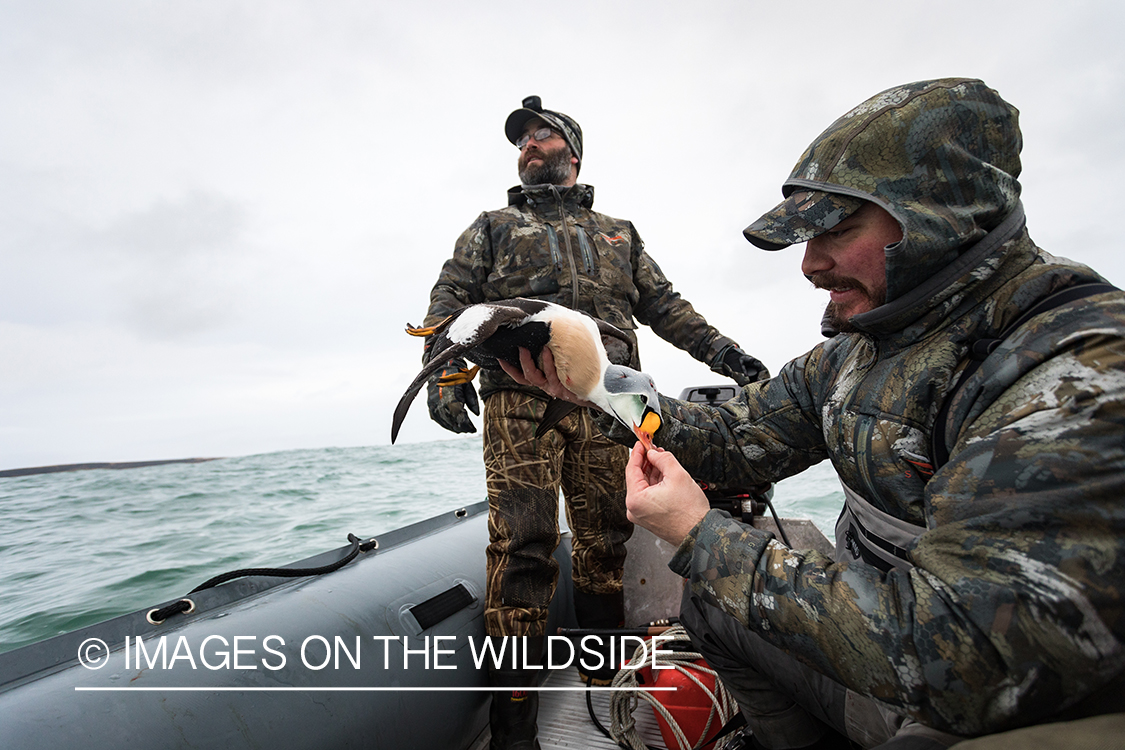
point(834, 281)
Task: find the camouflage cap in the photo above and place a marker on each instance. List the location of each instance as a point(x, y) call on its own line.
point(800, 217)
point(533, 108)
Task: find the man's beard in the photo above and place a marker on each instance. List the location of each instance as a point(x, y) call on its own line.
point(834, 319)
point(553, 169)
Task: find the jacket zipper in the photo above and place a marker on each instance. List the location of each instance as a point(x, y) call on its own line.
point(553, 244)
point(587, 251)
point(569, 249)
point(863, 434)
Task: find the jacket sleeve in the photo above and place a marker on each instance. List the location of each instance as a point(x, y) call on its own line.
point(462, 276)
point(1013, 610)
point(769, 431)
point(669, 315)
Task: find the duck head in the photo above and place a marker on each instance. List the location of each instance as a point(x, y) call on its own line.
point(631, 397)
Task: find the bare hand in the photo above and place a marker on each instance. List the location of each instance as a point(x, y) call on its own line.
point(661, 496)
point(546, 379)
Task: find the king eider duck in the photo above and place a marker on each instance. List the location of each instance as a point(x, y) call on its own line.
point(491, 331)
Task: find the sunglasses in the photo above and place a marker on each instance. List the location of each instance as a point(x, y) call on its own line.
point(539, 135)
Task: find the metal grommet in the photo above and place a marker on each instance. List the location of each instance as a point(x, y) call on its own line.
point(153, 621)
point(374, 545)
point(461, 513)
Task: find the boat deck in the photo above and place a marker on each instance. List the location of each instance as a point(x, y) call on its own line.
point(652, 592)
point(564, 721)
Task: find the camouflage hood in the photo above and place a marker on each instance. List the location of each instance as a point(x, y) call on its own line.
point(940, 156)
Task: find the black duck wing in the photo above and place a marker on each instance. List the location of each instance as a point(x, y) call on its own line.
point(557, 410)
point(452, 342)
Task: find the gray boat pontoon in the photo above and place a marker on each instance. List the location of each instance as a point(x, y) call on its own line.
point(318, 662)
point(381, 653)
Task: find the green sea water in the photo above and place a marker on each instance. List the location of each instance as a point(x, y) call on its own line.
point(80, 547)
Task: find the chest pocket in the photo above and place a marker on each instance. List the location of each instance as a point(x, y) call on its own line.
point(612, 271)
point(528, 265)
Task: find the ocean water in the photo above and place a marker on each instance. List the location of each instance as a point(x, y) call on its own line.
point(80, 547)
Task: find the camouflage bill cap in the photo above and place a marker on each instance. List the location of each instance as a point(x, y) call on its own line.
point(533, 108)
point(800, 217)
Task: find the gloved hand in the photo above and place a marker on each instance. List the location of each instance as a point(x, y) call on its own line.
point(448, 403)
point(736, 364)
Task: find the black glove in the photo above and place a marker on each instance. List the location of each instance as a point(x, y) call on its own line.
point(739, 366)
point(448, 403)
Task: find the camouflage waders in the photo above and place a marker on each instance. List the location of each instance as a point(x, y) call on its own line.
point(524, 476)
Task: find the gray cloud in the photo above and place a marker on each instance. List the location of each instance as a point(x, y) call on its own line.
point(217, 216)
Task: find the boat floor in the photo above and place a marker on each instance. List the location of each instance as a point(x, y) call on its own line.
point(564, 721)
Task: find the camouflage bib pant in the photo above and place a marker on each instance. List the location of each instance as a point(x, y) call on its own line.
point(524, 475)
point(787, 703)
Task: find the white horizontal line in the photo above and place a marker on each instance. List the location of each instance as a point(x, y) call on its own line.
point(359, 689)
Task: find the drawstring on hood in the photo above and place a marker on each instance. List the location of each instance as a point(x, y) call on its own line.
point(941, 156)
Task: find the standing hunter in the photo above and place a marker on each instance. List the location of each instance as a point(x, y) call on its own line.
point(548, 244)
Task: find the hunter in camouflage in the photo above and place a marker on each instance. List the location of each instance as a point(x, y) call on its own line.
point(549, 244)
point(1001, 605)
point(1008, 608)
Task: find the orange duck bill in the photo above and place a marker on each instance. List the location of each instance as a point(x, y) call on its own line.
point(649, 424)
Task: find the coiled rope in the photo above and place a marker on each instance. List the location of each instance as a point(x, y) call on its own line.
point(670, 652)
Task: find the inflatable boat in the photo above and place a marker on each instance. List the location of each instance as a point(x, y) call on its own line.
point(376, 654)
point(383, 648)
point(385, 652)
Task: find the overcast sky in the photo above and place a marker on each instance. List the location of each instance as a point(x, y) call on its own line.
point(216, 217)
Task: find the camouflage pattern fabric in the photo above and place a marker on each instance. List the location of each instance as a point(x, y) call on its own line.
point(524, 475)
point(548, 244)
point(1013, 612)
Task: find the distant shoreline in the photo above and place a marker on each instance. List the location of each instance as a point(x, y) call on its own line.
point(115, 465)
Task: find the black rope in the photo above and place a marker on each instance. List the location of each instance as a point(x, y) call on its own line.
point(780, 529)
point(598, 724)
point(158, 616)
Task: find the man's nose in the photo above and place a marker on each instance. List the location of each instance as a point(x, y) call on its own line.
point(816, 260)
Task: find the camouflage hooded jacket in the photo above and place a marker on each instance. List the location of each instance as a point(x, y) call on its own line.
point(548, 244)
point(1013, 611)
